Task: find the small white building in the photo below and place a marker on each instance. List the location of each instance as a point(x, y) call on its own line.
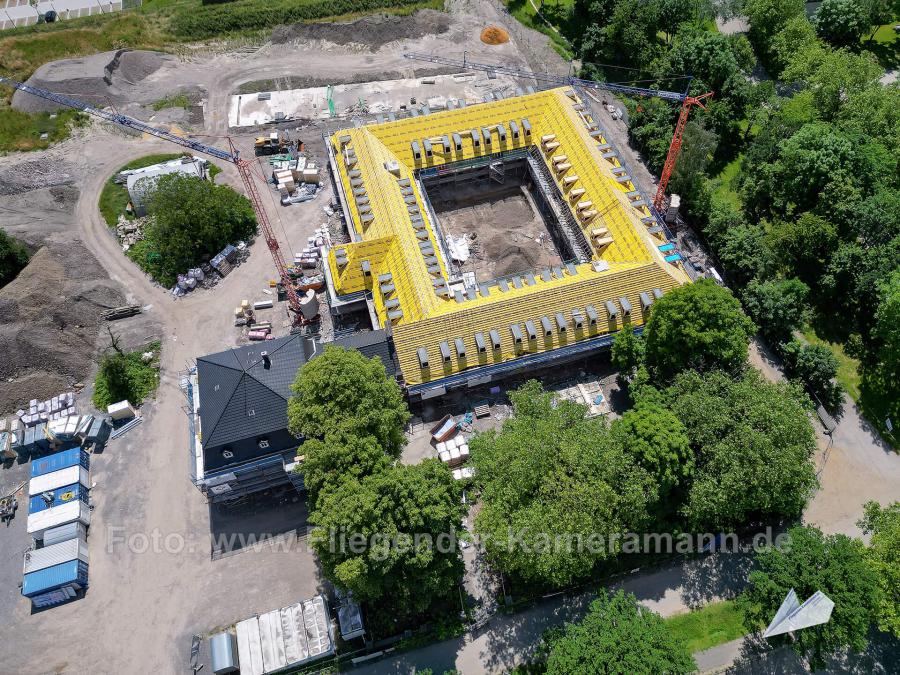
point(140, 182)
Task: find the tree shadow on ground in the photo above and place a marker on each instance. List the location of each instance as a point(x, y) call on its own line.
point(714, 577)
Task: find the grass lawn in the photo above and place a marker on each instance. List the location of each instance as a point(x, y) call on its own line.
point(885, 44)
point(556, 12)
point(174, 101)
point(21, 131)
point(724, 182)
point(711, 625)
point(114, 198)
point(847, 374)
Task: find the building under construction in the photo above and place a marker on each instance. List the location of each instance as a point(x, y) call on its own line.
point(451, 324)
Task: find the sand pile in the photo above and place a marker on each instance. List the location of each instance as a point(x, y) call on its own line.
point(494, 35)
point(370, 31)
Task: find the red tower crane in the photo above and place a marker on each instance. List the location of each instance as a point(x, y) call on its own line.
point(675, 147)
point(232, 155)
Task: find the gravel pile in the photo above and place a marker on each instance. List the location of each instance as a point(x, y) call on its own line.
point(50, 313)
point(101, 79)
point(372, 31)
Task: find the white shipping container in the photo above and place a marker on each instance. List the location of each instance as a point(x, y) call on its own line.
point(62, 533)
point(42, 521)
point(56, 554)
point(57, 479)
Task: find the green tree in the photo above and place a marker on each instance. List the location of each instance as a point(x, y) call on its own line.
point(700, 326)
point(767, 18)
point(627, 352)
point(672, 13)
point(797, 35)
point(753, 443)
point(338, 457)
point(835, 565)
point(883, 524)
point(657, 439)
point(392, 537)
point(777, 306)
point(816, 367)
point(13, 257)
point(192, 220)
point(841, 22)
point(550, 472)
point(619, 636)
point(881, 375)
point(831, 75)
point(343, 392)
point(803, 246)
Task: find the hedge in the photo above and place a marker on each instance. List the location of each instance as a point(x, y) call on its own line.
point(212, 20)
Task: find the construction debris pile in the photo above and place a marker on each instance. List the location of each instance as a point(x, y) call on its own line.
point(130, 232)
point(208, 274)
point(296, 179)
point(452, 446)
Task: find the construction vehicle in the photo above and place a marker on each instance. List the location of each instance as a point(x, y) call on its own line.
point(687, 102)
point(232, 155)
point(272, 144)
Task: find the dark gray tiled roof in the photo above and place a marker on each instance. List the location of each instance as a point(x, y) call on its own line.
point(373, 343)
point(240, 397)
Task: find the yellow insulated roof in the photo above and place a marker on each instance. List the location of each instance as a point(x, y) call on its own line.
point(396, 256)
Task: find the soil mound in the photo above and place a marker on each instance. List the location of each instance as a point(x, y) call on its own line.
point(493, 35)
point(99, 79)
point(371, 31)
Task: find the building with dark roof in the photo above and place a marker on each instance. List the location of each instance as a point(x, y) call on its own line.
point(238, 405)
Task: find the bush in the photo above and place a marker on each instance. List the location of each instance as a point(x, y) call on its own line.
point(114, 197)
point(13, 257)
point(125, 377)
point(816, 367)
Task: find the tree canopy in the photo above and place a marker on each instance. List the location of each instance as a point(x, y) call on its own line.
point(551, 472)
point(618, 635)
point(191, 221)
point(343, 392)
point(777, 306)
point(883, 524)
point(656, 438)
point(753, 444)
point(834, 564)
point(698, 326)
point(841, 22)
point(392, 536)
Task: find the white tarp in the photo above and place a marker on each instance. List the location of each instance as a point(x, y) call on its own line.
point(458, 247)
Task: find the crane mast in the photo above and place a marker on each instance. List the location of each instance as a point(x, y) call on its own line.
point(687, 102)
point(232, 155)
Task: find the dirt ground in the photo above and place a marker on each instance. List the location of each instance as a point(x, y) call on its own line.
point(510, 235)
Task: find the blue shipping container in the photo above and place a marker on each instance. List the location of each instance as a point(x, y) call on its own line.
point(74, 572)
point(61, 496)
point(60, 460)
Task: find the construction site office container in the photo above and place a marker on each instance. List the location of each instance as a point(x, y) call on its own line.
point(58, 497)
point(66, 532)
point(60, 460)
point(53, 585)
point(57, 479)
point(57, 554)
point(74, 511)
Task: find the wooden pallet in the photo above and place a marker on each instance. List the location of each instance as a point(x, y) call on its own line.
point(482, 409)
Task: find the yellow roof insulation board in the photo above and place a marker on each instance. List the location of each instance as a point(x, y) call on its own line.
point(376, 164)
